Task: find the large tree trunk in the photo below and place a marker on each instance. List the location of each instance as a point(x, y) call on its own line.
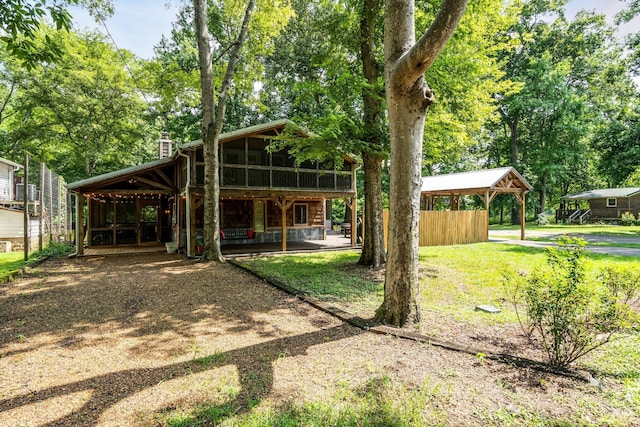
point(373, 252)
point(209, 139)
point(212, 124)
point(408, 98)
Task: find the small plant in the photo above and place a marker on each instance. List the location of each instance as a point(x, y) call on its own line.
point(543, 219)
point(627, 219)
point(567, 315)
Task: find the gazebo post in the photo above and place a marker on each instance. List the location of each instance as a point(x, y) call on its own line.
point(522, 215)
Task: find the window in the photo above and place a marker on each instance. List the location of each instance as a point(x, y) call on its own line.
point(612, 202)
point(299, 214)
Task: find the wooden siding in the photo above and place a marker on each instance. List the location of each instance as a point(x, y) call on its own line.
point(314, 214)
point(440, 228)
point(623, 204)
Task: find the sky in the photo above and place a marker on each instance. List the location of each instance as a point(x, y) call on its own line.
point(138, 25)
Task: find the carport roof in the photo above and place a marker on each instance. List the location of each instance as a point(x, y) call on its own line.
point(500, 180)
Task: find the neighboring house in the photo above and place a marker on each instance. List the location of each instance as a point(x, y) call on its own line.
point(7, 190)
point(11, 211)
point(264, 197)
point(607, 204)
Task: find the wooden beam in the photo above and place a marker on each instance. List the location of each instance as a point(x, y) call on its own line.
point(165, 178)
point(128, 192)
point(152, 183)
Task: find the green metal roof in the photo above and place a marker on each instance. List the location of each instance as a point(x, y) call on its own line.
point(603, 193)
point(120, 172)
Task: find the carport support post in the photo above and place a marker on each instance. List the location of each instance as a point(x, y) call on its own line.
point(80, 223)
point(522, 215)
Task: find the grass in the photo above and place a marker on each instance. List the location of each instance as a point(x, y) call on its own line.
point(12, 262)
point(453, 280)
point(378, 402)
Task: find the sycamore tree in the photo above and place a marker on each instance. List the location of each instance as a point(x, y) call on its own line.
point(408, 98)
point(242, 29)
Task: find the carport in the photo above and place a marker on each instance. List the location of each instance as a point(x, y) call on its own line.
point(486, 184)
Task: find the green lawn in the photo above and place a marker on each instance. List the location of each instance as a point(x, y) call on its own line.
point(13, 261)
point(453, 280)
point(10, 262)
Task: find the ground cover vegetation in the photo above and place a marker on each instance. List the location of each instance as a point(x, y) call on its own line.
point(453, 284)
point(162, 340)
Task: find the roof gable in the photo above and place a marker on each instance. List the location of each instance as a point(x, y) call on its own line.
point(505, 179)
point(10, 163)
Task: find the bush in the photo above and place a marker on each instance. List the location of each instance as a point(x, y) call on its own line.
point(627, 219)
point(567, 315)
point(543, 219)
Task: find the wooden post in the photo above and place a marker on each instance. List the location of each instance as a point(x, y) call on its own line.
point(284, 205)
point(522, 215)
point(283, 216)
point(25, 207)
point(50, 211)
point(191, 223)
point(487, 201)
point(80, 223)
point(41, 207)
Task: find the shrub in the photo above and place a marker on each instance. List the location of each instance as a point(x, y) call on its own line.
point(627, 219)
point(567, 315)
point(543, 219)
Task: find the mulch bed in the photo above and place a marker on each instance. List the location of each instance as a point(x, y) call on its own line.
point(122, 341)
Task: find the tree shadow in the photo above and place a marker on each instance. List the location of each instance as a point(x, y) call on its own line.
point(159, 304)
point(254, 364)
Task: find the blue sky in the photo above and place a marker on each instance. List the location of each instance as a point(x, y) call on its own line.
point(138, 25)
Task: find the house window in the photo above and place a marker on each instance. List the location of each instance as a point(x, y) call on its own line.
point(612, 202)
point(300, 214)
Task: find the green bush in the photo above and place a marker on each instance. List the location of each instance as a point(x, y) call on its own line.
point(566, 314)
point(543, 219)
point(627, 219)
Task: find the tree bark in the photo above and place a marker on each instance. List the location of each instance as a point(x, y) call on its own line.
point(408, 98)
point(373, 253)
point(212, 123)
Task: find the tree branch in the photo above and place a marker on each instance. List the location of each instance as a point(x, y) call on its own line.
point(421, 56)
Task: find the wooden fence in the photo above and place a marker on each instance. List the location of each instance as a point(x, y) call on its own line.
point(438, 228)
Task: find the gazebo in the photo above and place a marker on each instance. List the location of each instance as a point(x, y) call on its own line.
point(486, 184)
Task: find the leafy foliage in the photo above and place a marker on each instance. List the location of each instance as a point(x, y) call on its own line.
point(82, 115)
point(567, 315)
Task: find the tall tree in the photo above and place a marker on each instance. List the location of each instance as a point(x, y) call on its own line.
point(272, 17)
point(83, 114)
point(408, 99)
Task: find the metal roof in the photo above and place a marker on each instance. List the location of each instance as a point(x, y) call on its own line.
point(120, 172)
point(603, 193)
point(10, 163)
point(466, 182)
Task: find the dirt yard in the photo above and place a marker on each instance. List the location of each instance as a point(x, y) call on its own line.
point(121, 341)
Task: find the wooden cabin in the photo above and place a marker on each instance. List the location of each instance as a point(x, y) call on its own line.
point(607, 204)
point(264, 196)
